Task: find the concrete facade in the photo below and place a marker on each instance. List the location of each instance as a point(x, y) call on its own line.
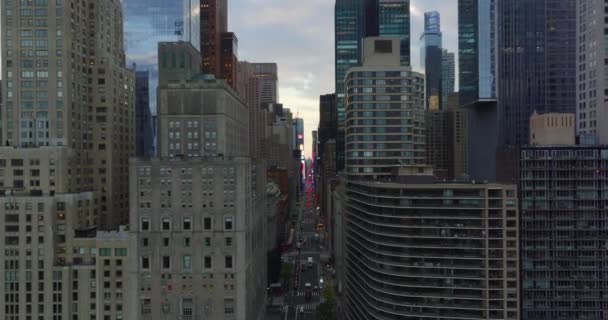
point(591, 105)
point(552, 129)
point(429, 250)
point(72, 89)
point(199, 243)
point(384, 112)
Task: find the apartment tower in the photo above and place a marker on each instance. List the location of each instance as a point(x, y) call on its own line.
point(414, 248)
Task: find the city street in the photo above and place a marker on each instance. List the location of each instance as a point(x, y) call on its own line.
point(307, 276)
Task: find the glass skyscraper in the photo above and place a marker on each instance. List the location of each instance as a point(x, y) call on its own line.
point(148, 22)
point(477, 83)
point(431, 59)
point(536, 63)
point(476, 50)
point(394, 20)
point(350, 28)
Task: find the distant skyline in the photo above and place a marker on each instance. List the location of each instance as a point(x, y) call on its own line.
point(298, 36)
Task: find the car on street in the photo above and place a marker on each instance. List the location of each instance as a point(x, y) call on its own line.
point(301, 309)
point(308, 291)
point(310, 262)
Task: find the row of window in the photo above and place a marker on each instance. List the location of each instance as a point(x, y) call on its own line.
point(165, 262)
point(186, 223)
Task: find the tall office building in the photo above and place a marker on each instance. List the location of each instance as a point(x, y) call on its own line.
point(206, 130)
point(536, 63)
point(350, 28)
point(477, 83)
point(148, 22)
point(144, 136)
point(439, 153)
point(213, 22)
point(66, 84)
point(229, 58)
point(327, 123)
point(207, 259)
point(68, 127)
point(591, 105)
point(393, 19)
point(257, 83)
point(563, 238)
point(448, 77)
point(432, 58)
point(382, 136)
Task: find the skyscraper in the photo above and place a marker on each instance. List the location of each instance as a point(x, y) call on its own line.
point(536, 63)
point(68, 128)
point(371, 120)
point(477, 83)
point(432, 59)
point(229, 61)
point(80, 97)
point(350, 28)
point(448, 74)
point(354, 20)
point(258, 84)
point(148, 22)
point(418, 244)
point(591, 104)
point(563, 241)
point(214, 22)
point(394, 21)
point(214, 235)
point(144, 136)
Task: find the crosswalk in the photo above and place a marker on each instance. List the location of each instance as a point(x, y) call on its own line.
point(314, 294)
point(308, 307)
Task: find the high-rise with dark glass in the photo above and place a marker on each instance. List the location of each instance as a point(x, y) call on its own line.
point(448, 75)
point(394, 21)
point(354, 20)
point(350, 28)
point(148, 22)
point(536, 63)
point(144, 137)
point(477, 83)
point(431, 59)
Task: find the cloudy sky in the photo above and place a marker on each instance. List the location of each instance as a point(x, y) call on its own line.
point(299, 36)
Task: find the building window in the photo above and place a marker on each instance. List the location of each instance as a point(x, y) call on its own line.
point(145, 224)
point(105, 252)
point(187, 307)
point(146, 306)
point(227, 223)
point(187, 263)
point(166, 262)
point(208, 264)
point(229, 306)
point(207, 242)
point(187, 242)
point(145, 263)
point(207, 223)
point(187, 224)
point(228, 241)
point(166, 224)
point(120, 252)
point(228, 262)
